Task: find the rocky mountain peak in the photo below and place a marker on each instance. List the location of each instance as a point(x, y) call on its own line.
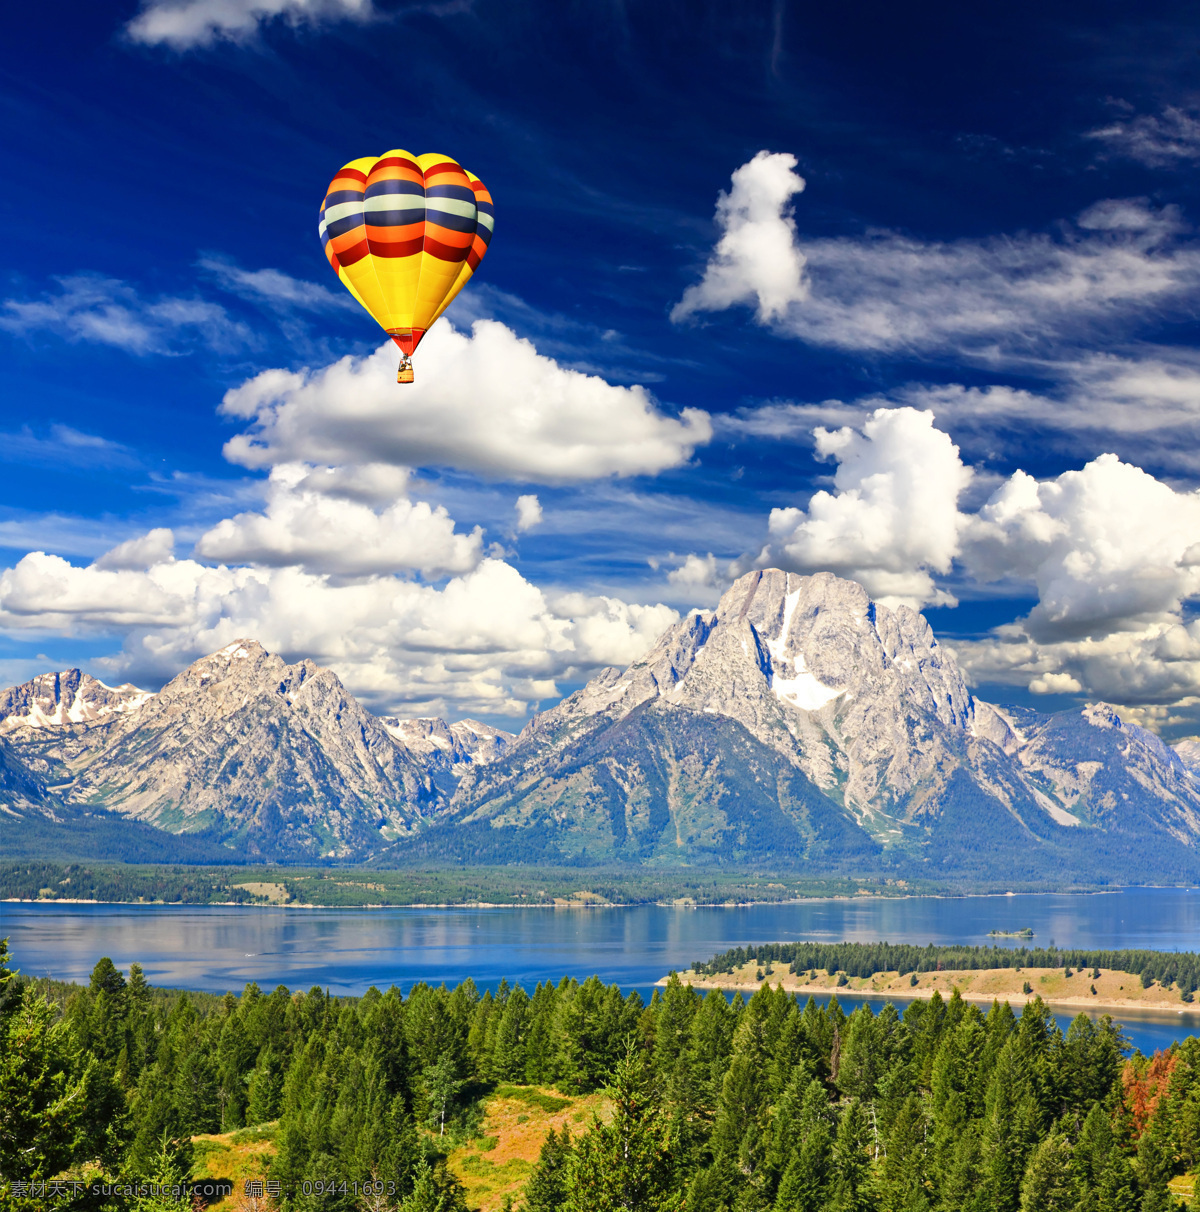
point(845, 688)
point(67, 697)
point(449, 748)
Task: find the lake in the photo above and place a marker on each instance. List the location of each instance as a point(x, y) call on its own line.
point(217, 948)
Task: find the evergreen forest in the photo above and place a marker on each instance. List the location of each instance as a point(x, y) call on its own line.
point(710, 1105)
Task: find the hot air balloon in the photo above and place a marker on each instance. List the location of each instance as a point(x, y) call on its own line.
point(405, 233)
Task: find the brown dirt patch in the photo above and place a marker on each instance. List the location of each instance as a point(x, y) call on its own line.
point(515, 1127)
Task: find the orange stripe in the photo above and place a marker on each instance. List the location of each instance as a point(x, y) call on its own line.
point(447, 237)
point(395, 235)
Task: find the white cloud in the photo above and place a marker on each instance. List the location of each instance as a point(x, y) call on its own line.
point(1157, 663)
point(1159, 141)
point(486, 642)
point(1002, 297)
point(106, 311)
point(893, 516)
point(185, 24)
point(757, 260)
point(486, 402)
point(1055, 683)
point(156, 546)
point(1108, 547)
point(308, 526)
point(275, 288)
point(1114, 556)
point(1144, 404)
point(529, 512)
point(697, 572)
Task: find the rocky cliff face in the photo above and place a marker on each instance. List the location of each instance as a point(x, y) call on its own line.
point(868, 707)
point(275, 758)
point(70, 697)
point(798, 724)
point(861, 699)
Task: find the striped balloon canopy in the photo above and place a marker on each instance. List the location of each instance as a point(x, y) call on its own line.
point(405, 233)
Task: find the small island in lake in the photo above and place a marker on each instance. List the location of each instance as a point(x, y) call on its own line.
point(1026, 933)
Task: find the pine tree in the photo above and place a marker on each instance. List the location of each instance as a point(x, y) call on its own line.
point(1047, 1186)
point(625, 1164)
point(849, 1190)
point(1010, 1127)
point(546, 1190)
point(1116, 1190)
point(508, 1056)
point(903, 1178)
point(40, 1103)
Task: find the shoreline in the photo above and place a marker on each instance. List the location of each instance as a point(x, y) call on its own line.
point(565, 903)
point(981, 986)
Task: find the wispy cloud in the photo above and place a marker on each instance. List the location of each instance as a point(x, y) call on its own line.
point(1165, 140)
point(274, 289)
point(107, 311)
point(187, 24)
point(995, 300)
point(64, 446)
point(1143, 402)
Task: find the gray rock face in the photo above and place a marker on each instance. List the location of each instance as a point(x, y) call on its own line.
point(277, 757)
point(798, 722)
point(868, 705)
point(449, 746)
point(859, 697)
point(69, 697)
point(21, 791)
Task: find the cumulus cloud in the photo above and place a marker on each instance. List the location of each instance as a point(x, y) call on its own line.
point(885, 292)
point(186, 24)
point(487, 641)
point(486, 402)
point(757, 260)
point(1114, 557)
point(310, 527)
point(1163, 140)
point(106, 311)
point(1108, 547)
point(1111, 552)
point(892, 519)
point(1157, 663)
point(156, 546)
point(529, 512)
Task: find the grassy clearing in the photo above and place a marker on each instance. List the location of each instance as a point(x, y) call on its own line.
point(517, 1119)
point(237, 1156)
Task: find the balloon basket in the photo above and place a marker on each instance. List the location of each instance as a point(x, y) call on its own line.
point(405, 373)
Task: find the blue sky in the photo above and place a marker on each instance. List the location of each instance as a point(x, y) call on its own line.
point(910, 295)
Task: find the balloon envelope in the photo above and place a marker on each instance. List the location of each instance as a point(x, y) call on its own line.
point(405, 233)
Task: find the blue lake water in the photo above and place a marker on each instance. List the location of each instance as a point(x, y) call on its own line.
point(348, 950)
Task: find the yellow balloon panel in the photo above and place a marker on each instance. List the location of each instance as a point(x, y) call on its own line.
point(404, 234)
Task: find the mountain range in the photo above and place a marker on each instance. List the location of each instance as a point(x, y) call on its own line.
point(798, 725)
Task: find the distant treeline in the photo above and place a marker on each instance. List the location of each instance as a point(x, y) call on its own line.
point(867, 959)
point(349, 888)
